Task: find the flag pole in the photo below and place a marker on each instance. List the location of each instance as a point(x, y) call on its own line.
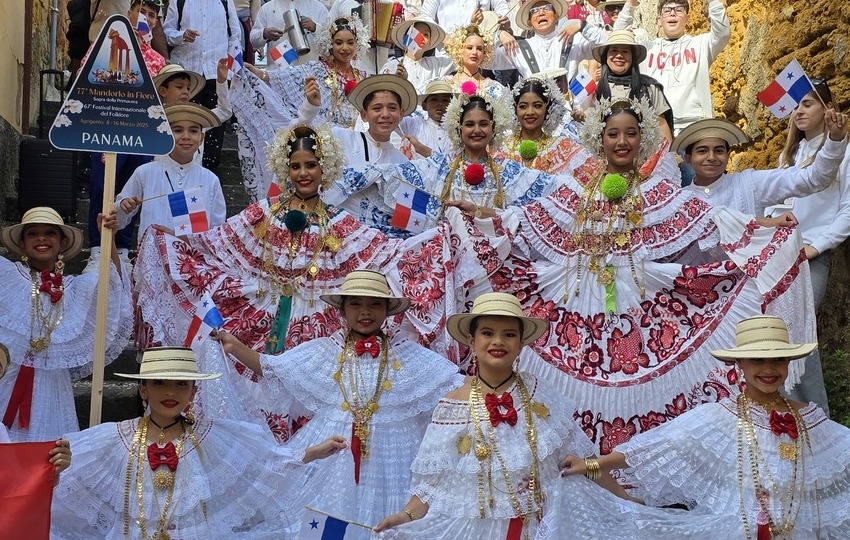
point(106, 241)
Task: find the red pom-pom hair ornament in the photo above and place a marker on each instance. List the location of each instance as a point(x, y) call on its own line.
point(469, 88)
point(349, 86)
point(474, 174)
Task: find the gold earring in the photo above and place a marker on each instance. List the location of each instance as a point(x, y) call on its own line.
point(145, 404)
point(188, 414)
point(60, 264)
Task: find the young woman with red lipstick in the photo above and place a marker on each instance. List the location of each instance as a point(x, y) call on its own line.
point(489, 460)
point(375, 388)
point(778, 466)
point(47, 320)
point(168, 475)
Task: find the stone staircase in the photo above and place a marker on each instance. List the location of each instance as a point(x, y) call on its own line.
point(120, 396)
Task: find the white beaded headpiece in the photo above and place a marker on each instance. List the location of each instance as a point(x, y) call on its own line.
point(557, 106)
point(326, 147)
point(504, 119)
point(325, 33)
point(594, 125)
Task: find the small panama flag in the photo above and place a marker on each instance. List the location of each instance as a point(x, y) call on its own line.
point(206, 319)
point(413, 40)
point(188, 211)
point(787, 90)
point(143, 28)
point(234, 58)
point(411, 208)
point(582, 86)
point(283, 53)
point(318, 525)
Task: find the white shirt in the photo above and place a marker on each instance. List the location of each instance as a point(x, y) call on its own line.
point(167, 176)
point(825, 216)
point(751, 191)
point(547, 51)
point(451, 14)
point(428, 132)
point(421, 72)
point(271, 14)
point(208, 18)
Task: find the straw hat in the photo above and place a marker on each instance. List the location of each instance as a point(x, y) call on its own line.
point(603, 5)
point(763, 337)
point(169, 364)
point(621, 37)
point(437, 86)
point(400, 30)
point(500, 305)
point(196, 80)
point(392, 83)
point(193, 113)
point(11, 236)
point(4, 359)
point(709, 128)
point(523, 16)
point(370, 284)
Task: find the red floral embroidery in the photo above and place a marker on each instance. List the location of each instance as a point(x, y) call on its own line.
point(615, 432)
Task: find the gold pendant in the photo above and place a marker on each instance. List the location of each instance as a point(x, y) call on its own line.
point(482, 452)
point(396, 365)
point(338, 376)
point(38, 344)
point(635, 218)
point(596, 215)
point(606, 277)
point(287, 290)
point(313, 270)
point(788, 451)
point(333, 243)
point(622, 240)
point(464, 445)
point(164, 536)
point(387, 385)
point(345, 406)
point(163, 479)
point(540, 410)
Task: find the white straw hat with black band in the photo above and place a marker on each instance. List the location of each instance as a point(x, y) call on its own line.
point(169, 364)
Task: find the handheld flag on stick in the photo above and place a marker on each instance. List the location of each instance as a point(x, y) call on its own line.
point(787, 90)
point(318, 525)
point(207, 318)
point(144, 29)
point(411, 208)
point(188, 211)
point(283, 53)
point(582, 86)
point(413, 40)
point(234, 58)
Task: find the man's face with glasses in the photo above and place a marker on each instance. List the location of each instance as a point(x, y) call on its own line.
point(673, 20)
point(542, 17)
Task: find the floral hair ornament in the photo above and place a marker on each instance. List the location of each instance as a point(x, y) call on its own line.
point(456, 41)
point(325, 146)
point(502, 113)
point(596, 116)
point(325, 34)
point(556, 106)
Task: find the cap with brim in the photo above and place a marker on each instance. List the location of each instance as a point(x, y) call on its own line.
point(196, 80)
point(384, 82)
point(523, 16)
point(400, 30)
point(43, 215)
point(621, 37)
point(763, 337)
point(437, 87)
point(4, 359)
point(495, 305)
point(169, 364)
point(369, 284)
point(707, 128)
point(192, 112)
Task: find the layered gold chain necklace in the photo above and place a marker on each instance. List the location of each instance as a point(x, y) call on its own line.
point(488, 200)
point(43, 321)
point(791, 500)
point(486, 448)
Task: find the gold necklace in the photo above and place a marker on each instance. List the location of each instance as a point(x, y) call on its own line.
point(542, 145)
point(788, 509)
point(338, 98)
point(486, 448)
point(498, 198)
point(43, 322)
point(137, 457)
point(603, 226)
point(361, 411)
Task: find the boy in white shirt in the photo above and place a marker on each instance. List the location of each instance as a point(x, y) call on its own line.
point(176, 172)
point(426, 133)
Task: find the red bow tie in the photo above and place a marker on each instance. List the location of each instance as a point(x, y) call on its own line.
point(166, 455)
point(494, 407)
point(783, 423)
point(368, 345)
point(51, 284)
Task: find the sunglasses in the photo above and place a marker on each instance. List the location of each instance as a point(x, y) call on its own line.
point(819, 81)
point(541, 9)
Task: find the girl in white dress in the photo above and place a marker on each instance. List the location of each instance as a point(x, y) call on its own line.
point(167, 476)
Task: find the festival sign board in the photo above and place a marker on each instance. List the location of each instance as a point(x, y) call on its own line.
point(113, 105)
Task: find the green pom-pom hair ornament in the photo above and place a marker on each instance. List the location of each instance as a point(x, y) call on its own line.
point(295, 221)
point(614, 186)
point(528, 149)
